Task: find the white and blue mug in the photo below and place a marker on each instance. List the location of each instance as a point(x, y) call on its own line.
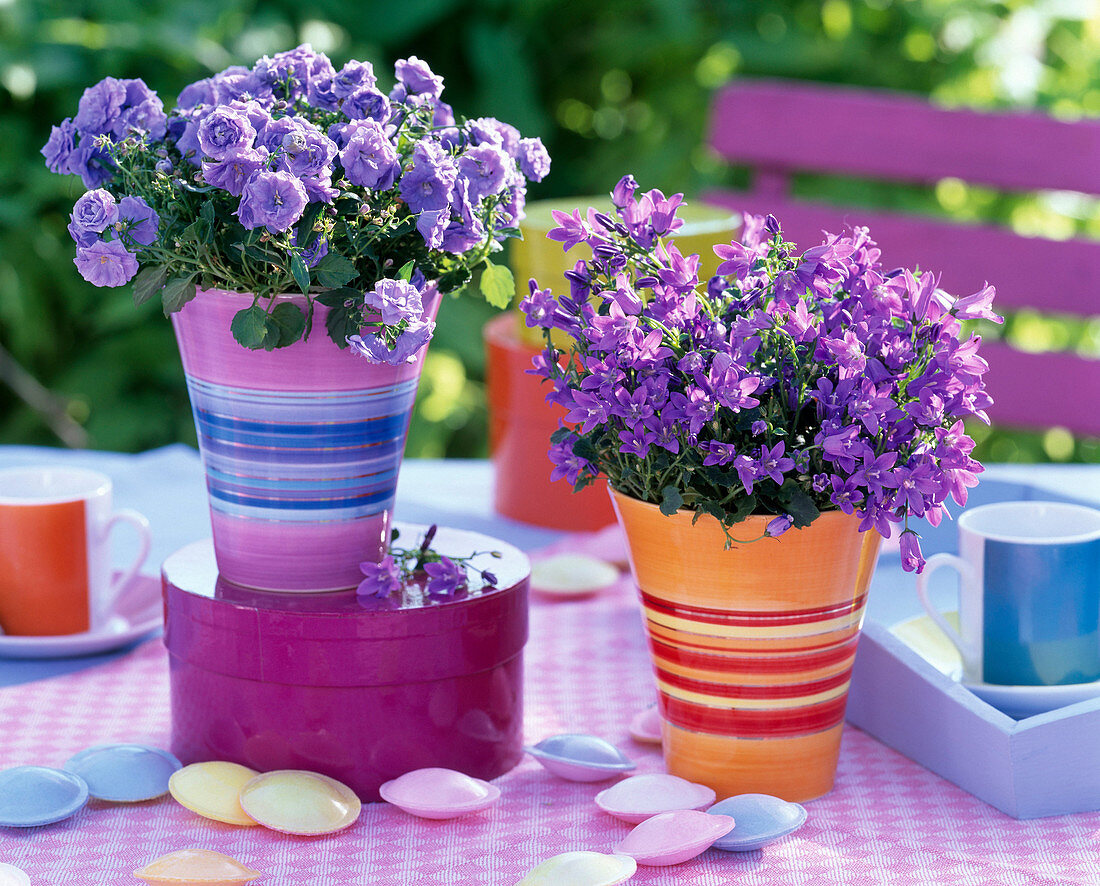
point(1029, 593)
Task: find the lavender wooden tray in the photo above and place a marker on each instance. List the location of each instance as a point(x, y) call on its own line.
point(1043, 765)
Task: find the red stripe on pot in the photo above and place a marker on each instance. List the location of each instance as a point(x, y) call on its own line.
point(735, 690)
point(786, 722)
point(751, 619)
point(773, 661)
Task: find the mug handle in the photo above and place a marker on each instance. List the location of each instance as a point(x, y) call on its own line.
point(966, 573)
point(139, 522)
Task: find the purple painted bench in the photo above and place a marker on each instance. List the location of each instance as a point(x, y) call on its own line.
point(781, 128)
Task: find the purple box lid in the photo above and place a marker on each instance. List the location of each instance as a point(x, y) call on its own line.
point(331, 639)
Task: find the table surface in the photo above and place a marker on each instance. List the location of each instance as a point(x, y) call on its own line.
point(887, 821)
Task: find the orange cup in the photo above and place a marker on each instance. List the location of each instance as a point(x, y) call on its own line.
point(520, 425)
point(55, 569)
point(753, 646)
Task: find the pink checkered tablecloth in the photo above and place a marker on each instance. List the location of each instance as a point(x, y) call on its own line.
point(888, 821)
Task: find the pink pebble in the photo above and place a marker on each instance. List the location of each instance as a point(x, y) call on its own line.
point(646, 726)
point(439, 793)
point(639, 797)
point(673, 837)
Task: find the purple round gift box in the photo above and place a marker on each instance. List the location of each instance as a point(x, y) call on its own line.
point(319, 682)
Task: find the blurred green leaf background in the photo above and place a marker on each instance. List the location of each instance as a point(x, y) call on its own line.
point(611, 86)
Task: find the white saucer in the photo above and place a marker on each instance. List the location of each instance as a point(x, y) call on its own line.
point(922, 636)
point(137, 611)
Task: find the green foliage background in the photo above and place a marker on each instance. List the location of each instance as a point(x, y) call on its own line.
point(612, 86)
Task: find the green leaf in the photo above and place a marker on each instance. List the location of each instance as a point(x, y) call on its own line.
point(561, 434)
point(207, 212)
point(148, 283)
point(306, 223)
point(177, 292)
point(800, 506)
point(249, 327)
point(498, 285)
point(671, 500)
point(335, 298)
point(285, 325)
point(341, 323)
point(406, 271)
point(334, 270)
point(300, 272)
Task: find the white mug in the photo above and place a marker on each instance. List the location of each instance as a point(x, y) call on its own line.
point(1029, 593)
point(55, 563)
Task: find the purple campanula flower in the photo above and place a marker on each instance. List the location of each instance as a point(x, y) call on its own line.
point(570, 230)
point(428, 184)
point(467, 231)
point(369, 159)
point(410, 342)
point(538, 306)
point(483, 166)
point(60, 147)
point(748, 471)
point(848, 351)
point(380, 579)
point(352, 77)
point(778, 526)
point(718, 453)
point(274, 200)
point(534, 160)
point(912, 557)
point(395, 300)
point(233, 173)
point(139, 220)
point(977, 306)
point(105, 263)
point(94, 212)
point(623, 193)
point(445, 577)
point(226, 132)
point(100, 106)
point(773, 464)
point(432, 223)
point(567, 464)
point(141, 112)
point(313, 252)
point(367, 104)
point(489, 129)
point(417, 77)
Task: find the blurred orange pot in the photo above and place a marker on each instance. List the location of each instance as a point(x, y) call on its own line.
point(752, 646)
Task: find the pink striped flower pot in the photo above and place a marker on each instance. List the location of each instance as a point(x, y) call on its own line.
point(301, 447)
point(753, 646)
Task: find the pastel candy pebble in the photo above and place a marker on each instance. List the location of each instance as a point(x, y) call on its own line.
point(196, 867)
point(213, 790)
point(572, 575)
point(674, 837)
point(637, 798)
point(646, 726)
point(581, 757)
point(761, 819)
point(124, 773)
point(581, 869)
point(31, 796)
point(294, 801)
point(10, 875)
point(439, 793)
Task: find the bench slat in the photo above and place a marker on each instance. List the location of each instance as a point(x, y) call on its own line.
point(1042, 390)
point(1048, 275)
point(796, 126)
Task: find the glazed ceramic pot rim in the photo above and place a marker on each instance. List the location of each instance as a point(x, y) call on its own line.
point(830, 514)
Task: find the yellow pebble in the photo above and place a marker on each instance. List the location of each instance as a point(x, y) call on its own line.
point(297, 802)
point(581, 869)
point(213, 790)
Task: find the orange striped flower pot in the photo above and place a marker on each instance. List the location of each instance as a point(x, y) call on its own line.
point(752, 646)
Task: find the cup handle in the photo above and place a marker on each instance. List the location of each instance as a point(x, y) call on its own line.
point(139, 522)
point(969, 655)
